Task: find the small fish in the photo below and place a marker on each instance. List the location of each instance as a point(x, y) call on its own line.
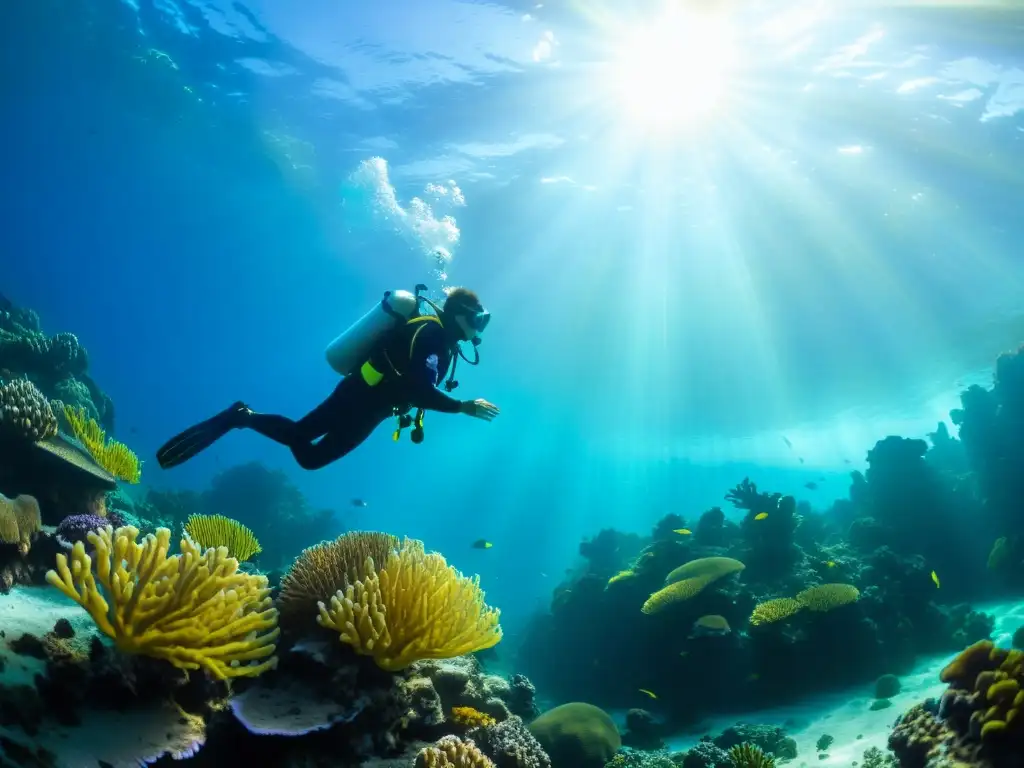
point(800, 459)
point(683, 531)
point(786, 441)
point(543, 574)
point(482, 544)
point(644, 691)
point(358, 503)
point(846, 461)
point(754, 677)
point(935, 578)
point(831, 563)
point(811, 486)
point(646, 555)
point(761, 516)
point(684, 654)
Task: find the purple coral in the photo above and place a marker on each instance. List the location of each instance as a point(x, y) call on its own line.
point(74, 528)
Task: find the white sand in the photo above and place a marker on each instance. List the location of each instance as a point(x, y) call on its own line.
point(847, 716)
point(34, 610)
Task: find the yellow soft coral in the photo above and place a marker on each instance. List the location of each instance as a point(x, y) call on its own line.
point(771, 611)
point(117, 458)
point(826, 597)
point(195, 610)
point(471, 718)
point(416, 607)
point(452, 752)
point(219, 531)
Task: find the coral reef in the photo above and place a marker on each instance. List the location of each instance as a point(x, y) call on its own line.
point(886, 573)
point(977, 721)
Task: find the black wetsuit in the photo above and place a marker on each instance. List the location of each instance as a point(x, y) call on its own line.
point(354, 409)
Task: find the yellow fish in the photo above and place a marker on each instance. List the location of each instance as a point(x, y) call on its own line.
point(831, 563)
point(683, 531)
point(761, 516)
point(935, 578)
point(648, 693)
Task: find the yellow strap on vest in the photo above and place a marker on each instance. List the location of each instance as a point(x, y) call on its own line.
point(372, 376)
point(420, 320)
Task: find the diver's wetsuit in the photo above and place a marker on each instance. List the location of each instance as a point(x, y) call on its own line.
point(413, 359)
point(348, 416)
point(354, 409)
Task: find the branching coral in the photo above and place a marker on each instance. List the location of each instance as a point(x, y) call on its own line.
point(452, 752)
point(219, 531)
point(25, 412)
point(327, 568)
point(772, 611)
point(195, 609)
point(19, 521)
point(117, 458)
point(415, 607)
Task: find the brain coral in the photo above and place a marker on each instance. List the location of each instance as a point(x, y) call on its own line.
point(578, 735)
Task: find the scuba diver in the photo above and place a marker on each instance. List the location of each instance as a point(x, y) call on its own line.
point(392, 360)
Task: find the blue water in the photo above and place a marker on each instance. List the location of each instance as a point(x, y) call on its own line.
point(827, 254)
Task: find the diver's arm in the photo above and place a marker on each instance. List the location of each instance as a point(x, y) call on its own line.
point(424, 374)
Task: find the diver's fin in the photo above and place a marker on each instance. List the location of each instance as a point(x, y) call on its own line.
point(194, 440)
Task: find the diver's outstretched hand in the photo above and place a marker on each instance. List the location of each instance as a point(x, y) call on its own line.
point(480, 409)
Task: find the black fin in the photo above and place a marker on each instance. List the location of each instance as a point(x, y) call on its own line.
point(198, 438)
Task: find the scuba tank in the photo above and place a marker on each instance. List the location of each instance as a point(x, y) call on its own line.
point(351, 349)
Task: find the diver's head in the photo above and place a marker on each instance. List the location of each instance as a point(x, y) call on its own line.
point(465, 314)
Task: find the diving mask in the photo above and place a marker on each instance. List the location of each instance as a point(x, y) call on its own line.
point(473, 324)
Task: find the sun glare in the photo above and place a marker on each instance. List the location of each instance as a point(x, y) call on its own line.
point(673, 70)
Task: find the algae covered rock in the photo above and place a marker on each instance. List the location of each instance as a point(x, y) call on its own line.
point(887, 686)
point(578, 735)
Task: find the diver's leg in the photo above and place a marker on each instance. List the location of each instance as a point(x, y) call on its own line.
point(344, 436)
point(289, 432)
